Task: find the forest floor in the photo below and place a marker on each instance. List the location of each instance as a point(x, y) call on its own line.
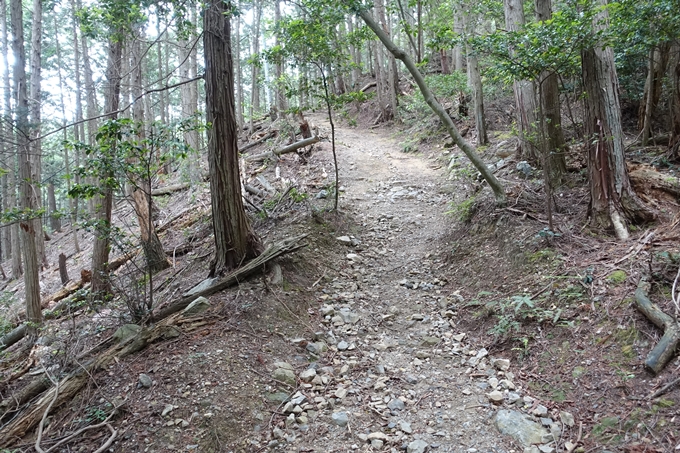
point(419, 317)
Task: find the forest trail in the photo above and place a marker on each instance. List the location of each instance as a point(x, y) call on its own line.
point(404, 376)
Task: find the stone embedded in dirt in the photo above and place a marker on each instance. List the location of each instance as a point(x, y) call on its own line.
point(167, 409)
point(199, 305)
point(411, 379)
point(340, 393)
point(277, 397)
point(513, 397)
point(284, 365)
point(507, 384)
point(540, 411)
point(546, 421)
point(377, 444)
point(348, 316)
point(501, 364)
point(125, 332)
point(474, 361)
point(317, 348)
point(546, 449)
point(308, 375)
point(430, 341)
point(495, 397)
point(343, 345)
point(396, 404)
point(459, 337)
point(417, 446)
point(340, 419)
point(327, 310)
point(344, 240)
point(354, 257)
point(567, 418)
point(290, 420)
point(145, 380)
point(284, 375)
point(493, 382)
point(519, 426)
point(405, 427)
point(532, 449)
point(377, 435)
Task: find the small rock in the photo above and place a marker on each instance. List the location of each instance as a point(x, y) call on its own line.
point(417, 446)
point(199, 305)
point(546, 449)
point(145, 380)
point(396, 405)
point(298, 398)
point(493, 383)
point(317, 348)
point(344, 240)
point(340, 419)
point(322, 194)
point(341, 393)
point(290, 420)
point(540, 411)
point(377, 444)
point(284, 375)
point(284, 365)
point(411, 379)
point(545, 421)
point(377, 435)
point(567, 418)
point(495, 397)
point(501, 364)
point(167, 409)
point(277, 397)
point(430, 341)
point(459, 337)
point(517, 425)
point(308, 375)
point(277, 433)
point(380, 369)
point(532, 449)
point(343, 345)
point(406, 427)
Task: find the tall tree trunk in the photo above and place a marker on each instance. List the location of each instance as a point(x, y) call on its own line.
point(419, 19)
point(674, 75)
point(281, 103)
point(91, 103)
point(613, 203)
point(255, 69)
point(459, 27)
point(382, 71)
point(467, 24)
point(237, 69)
point(28, 188)
point(356, 55)
point(8, 185)
point(161, 96)
point(656, 69)
point(156, 259)
point(525, 91)
point(34, 112)
point(235, 242)
point(189, 107)
point(55, 221)
point(102, 241)
point(78, 130)
point(555, 146)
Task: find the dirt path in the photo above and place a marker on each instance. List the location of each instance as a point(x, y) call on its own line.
point(404, 375)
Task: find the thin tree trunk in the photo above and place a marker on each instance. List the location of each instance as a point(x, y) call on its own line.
point(8, 188)
point(525, 91)
point(419, 18)
point(478, 98)
point(141, 195)
point(613, 203)
point(237, 69)
point(555, 146)
point(55, 222)
point(159, 67)
point(102, 242)
point(658, 60)
point(459, 28)
point(28, 188)
point(235, 242)
point(78, 135)
point(255, 69)
point(34, 112)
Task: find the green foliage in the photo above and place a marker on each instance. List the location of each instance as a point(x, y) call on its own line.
point(445, 87)
point(463, 211)
point(510, 313)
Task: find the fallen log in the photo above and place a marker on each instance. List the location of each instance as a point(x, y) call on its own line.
point(664, 350)
point(368, 86)
point(12, 337)
point(286, 149)
point(266, 137)
point(167, 190)
point(213, 285)
point(645, 177)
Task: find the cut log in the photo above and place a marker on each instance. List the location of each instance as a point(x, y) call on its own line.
point(213, 285)
point(266, 137)
point(63, 270)
point(12, 337)
point(286, 149)
point(664, 350)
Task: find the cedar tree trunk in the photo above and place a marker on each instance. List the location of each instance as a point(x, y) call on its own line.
point(235, 242)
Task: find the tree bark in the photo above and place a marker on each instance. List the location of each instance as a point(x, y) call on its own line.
point(237, 68)
point(27, 183)
point(235, 242)
point(656, 68)
point(467, 26)
point(613, 203)
point(55, 221)
point(469, 151)
point(525, 91)
point(8, 187)
point(255, 67)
